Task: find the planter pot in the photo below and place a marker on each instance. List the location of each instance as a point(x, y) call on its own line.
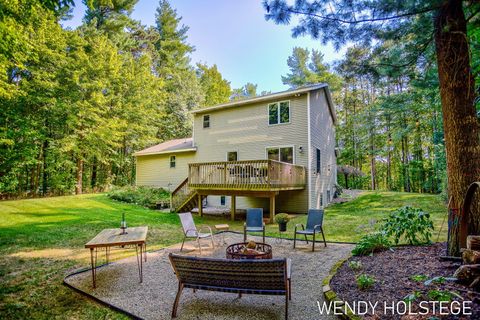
point(282, 227)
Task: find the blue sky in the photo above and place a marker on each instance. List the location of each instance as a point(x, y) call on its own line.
point(235, 36)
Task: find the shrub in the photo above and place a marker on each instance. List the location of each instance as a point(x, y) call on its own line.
point(414, 225)
point(370, 243)
point(442, 295)
point(365, 281)
point(144, 196)
point(419, 278)
point(355, 265)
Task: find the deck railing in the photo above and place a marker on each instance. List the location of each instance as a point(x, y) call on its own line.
point(246, 175)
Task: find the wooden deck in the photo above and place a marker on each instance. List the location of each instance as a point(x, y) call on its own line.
point(247, 175)
point(255, 178)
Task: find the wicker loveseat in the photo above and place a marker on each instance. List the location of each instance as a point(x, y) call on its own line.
point(267, 276)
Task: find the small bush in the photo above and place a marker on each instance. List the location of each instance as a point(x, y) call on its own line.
point(365, 282)
point(419, 278)
point(144, 196)
point(355, 265)
point(442, 295)
point(414, 225)
point(370, 243)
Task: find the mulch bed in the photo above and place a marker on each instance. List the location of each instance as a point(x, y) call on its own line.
point(392, 271)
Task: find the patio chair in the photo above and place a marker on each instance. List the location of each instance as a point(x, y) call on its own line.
point(254, 223)
point(191, 231)
point(314, 225)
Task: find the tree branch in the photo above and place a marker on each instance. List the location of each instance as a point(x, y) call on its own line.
point(354, 21)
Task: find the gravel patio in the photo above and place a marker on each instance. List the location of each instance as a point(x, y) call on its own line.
point(117, 284)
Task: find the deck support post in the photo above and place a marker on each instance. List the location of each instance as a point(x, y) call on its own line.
point(200, 206)
point(272, 207)
point(233, 207)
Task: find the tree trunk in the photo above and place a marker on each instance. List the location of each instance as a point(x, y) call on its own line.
point(457, 91)
point(78, 186)
point(44, 169)
point(93, 179)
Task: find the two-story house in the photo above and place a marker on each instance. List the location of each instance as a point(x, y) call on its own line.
point(275, 151)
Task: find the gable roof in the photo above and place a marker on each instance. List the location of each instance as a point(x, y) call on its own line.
point(176, 145)
point(274, 96)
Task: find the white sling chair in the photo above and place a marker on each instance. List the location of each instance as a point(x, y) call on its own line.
point(191, 231)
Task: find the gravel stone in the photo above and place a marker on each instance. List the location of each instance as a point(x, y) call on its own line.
point(118, 284)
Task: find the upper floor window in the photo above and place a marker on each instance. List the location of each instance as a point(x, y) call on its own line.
point(206, 121)
point(279, 112)
point(173, 161)
point(283, 154)
point(318, 161)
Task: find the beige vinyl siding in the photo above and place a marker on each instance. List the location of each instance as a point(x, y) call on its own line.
point(154, 170)
point(246, 130)
point(322, 131)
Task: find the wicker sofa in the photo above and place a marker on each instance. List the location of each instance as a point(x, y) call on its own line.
point(262, 276)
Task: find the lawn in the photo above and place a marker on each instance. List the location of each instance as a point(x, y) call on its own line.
point(41, 240)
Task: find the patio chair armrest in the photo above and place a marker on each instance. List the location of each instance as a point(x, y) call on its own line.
point(299, 224)
point(316, 226)
point(208, 227)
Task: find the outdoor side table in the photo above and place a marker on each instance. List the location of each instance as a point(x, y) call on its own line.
point(133, 238)
point(222, 227)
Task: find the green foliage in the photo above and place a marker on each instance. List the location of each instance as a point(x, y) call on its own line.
point(419, 277)
point(247, 91)
point(442, 295)
point(388, 103)
point(76, 104)
point(411, 224)
point(355, 265)
point(282, 218)
point(370, 243)
point(309, 69)
point(144, 196)
point(365, 282)
point(217, 90)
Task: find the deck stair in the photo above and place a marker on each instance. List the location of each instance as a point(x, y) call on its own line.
point(184, 199)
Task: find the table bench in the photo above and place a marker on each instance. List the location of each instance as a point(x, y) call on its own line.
point(268, 277)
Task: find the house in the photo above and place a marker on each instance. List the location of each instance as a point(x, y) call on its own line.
point(275, 151)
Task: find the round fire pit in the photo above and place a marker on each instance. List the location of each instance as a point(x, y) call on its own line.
point(261, 251)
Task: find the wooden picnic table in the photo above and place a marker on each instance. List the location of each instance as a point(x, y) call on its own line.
point(134, 237)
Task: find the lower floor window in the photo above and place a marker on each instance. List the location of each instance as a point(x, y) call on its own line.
point(222, 200)
point(172, 161)
point(283, 154)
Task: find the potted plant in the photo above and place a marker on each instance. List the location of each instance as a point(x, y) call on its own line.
point(282, 219)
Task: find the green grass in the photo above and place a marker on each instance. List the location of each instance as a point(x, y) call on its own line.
point(41, 240)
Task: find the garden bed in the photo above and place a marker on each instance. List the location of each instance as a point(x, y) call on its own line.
point(393, 272)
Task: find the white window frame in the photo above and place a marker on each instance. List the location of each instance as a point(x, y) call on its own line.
point(209, 121)
point(279, 123)
point(174, 161)
point(279, 147)
point(226, 154)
